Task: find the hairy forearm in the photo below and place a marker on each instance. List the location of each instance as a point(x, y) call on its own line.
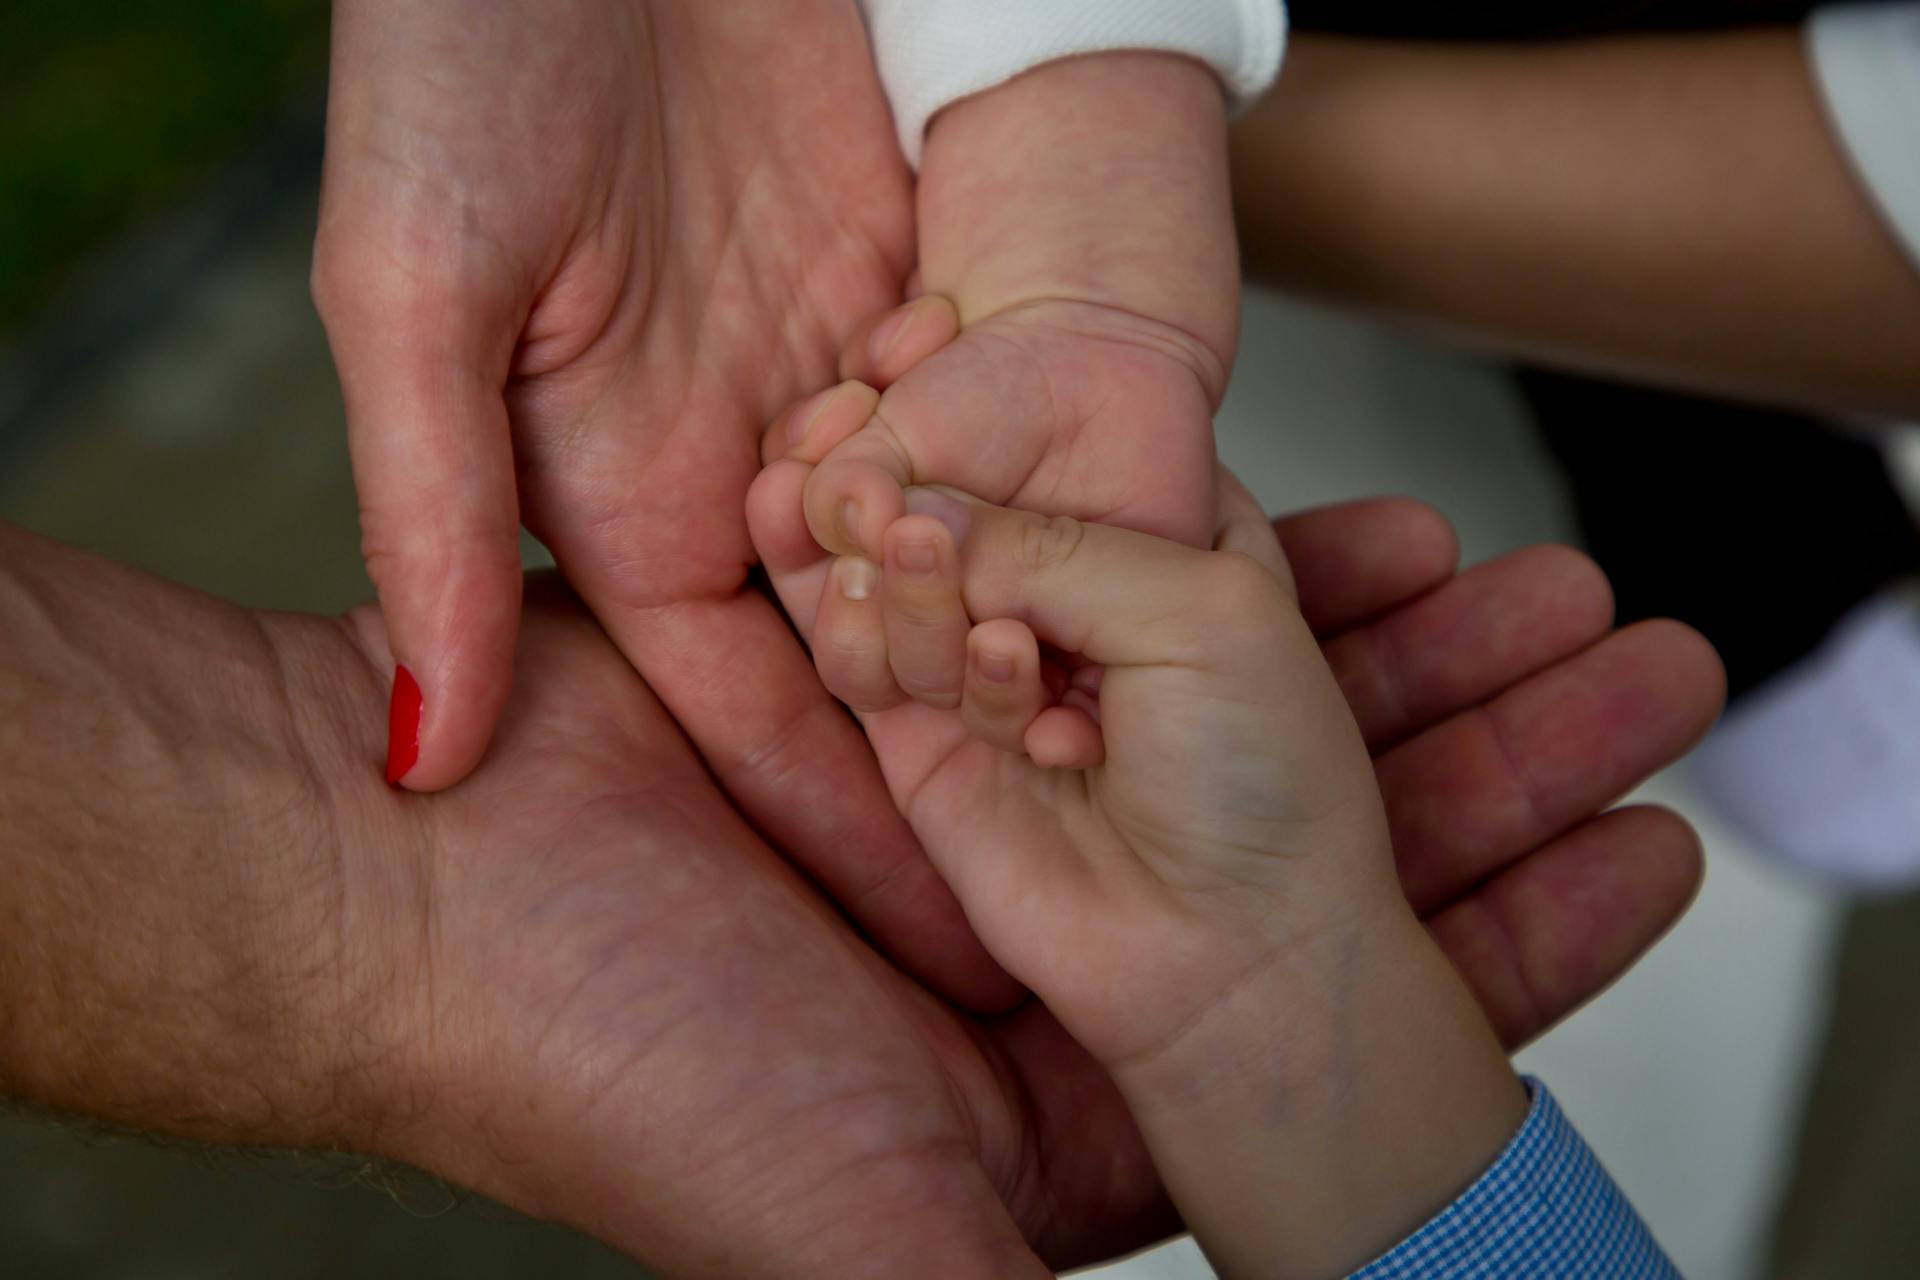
point(171, 956)
point(1672, 208)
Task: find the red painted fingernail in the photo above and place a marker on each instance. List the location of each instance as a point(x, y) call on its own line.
point(403, 726)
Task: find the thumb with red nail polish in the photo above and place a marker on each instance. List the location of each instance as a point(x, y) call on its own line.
point(403, 726)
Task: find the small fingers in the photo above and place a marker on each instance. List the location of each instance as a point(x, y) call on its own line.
point(1245, 527)
point(857, 491)
point(1065, 737)
point(811, 429)
point(1004, 691)
point(886, 347)
point(926, 625)
point(850, 638)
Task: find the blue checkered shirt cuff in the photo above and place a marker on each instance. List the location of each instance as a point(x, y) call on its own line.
point(1545, 1208)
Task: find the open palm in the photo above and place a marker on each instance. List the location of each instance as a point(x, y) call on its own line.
point(583, 982)
point(566, 276)
point(646, 1024)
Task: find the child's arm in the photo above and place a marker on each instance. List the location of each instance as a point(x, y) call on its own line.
point(1311, 1076)
point(1164, 822)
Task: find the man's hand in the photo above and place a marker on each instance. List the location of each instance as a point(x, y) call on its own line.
point(583, 985)
point(571, 256)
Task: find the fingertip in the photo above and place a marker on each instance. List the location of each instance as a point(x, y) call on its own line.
point(441, 716)
point(911, 530)
point(927, 624)
point(849, 638)
point(776, 518)
point(885, 349)
point(1689, 663)
point(451, 626)
point(1065, 737)
point(1581, 594)
point(850, 504)
point(1674, 855)
point(1429, 541)
point(403, 726)
point(812, 429)
point(1005, 687)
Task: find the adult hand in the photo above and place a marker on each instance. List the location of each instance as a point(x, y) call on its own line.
point(571, 257)
point(582, 984)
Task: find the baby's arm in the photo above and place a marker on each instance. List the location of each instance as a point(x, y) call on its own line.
point(1076, 229)
point(1099, 180)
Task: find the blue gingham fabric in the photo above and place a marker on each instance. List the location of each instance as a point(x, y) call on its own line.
point(1546, 1210)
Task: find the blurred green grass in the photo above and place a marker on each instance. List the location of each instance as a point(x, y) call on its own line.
point(108, 111)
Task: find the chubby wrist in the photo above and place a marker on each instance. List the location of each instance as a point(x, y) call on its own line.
point(1099, 179)
point(1317, 1116)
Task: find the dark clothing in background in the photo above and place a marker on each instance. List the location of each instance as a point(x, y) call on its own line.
point(1759, 529)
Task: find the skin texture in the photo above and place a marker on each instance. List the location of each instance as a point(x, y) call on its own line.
point(1184, 854)
point(1667, 208)
point(573, 310)
point(576, 310)
point(1082, 318)
point(581, 983)
point(1166, 827)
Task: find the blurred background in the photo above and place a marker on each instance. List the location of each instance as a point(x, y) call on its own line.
point(166, 399)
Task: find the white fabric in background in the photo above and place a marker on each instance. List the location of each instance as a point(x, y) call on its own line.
point(1821, 765)
point(932, 53)
point(1866, 59)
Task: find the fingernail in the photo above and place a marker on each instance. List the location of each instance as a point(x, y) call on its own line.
point(996, 667)
point(858, 577)
point(805, 414)
point(944, 507)
point(403, 726)
point(917, 555)
point(888, 333)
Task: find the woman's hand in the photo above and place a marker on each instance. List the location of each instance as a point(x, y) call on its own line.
point(571, 256)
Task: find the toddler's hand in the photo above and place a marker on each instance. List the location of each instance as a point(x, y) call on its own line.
point(1131, 763)
point(1136, 770)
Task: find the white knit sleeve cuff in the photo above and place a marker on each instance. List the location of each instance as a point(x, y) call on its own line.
point(932, 53)
point(1866, 59)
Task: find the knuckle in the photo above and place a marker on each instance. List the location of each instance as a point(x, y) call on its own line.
point(933, 692)
point(923, 613)
point(1240, 585)
point(1045, 545)
point(363, 285)
point(850, 653)
point(994, 702)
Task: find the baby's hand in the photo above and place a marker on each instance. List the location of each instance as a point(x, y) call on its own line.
point(1076, 242)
